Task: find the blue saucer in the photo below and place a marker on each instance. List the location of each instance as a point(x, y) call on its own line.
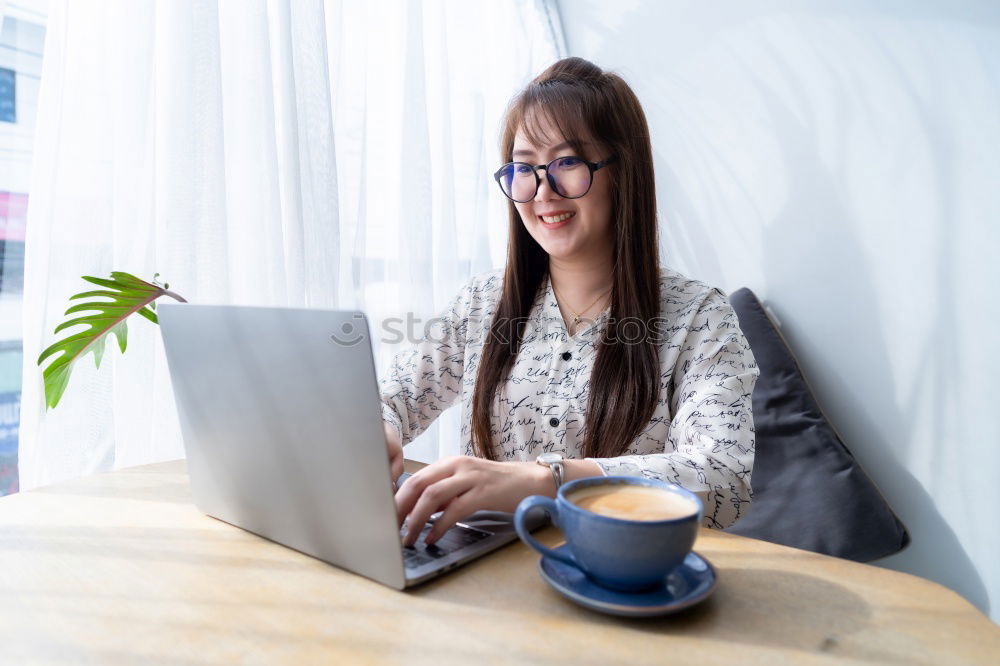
point(688, 585)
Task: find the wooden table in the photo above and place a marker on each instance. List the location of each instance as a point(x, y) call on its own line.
point(122, 568)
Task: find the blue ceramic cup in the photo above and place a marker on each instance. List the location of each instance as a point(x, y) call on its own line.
point(628, 555)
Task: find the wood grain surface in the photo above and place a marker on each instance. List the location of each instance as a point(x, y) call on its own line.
point(122, 568)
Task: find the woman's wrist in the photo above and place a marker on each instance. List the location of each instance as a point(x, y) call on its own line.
point(392, 433)
point(542, 481)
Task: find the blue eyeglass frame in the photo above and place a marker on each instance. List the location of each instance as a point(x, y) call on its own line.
point(591, 166)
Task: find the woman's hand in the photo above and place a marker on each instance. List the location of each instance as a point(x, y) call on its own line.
point(462, 485)
point(395, 447)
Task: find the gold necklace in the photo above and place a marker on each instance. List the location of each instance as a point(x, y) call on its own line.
point(578, 316)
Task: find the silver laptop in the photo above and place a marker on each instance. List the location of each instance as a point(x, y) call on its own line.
point(282, 425)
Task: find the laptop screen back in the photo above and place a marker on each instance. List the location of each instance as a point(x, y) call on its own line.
point(280, 414)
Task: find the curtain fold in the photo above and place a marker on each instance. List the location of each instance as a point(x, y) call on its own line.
point(308, 153)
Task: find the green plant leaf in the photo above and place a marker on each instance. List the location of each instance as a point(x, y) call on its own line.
point(128, 294)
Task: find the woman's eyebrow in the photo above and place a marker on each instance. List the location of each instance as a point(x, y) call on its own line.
point(527, 153)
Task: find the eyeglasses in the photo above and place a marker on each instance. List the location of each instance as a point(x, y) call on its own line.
point(570, 177)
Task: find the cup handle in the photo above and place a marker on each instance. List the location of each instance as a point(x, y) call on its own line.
point(550, 507)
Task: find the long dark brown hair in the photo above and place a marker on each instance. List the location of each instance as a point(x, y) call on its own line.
point(585, 103)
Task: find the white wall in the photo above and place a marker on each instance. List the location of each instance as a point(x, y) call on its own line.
point(841, 160)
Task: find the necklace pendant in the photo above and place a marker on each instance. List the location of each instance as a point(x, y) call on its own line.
point(576, 320)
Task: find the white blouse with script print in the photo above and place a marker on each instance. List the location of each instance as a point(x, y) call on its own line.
point(701, 435)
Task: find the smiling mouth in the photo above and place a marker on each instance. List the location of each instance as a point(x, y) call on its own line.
point(555, 219)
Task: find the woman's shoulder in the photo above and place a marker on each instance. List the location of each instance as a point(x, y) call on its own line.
point(477, 296)
point(693, 314)
point(678, 292)
point(483, 288)
point(681, 294)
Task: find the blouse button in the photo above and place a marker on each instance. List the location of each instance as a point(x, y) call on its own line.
point(567, 356)
point(553, 422)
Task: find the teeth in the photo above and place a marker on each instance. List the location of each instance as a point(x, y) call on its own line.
point(557, 218)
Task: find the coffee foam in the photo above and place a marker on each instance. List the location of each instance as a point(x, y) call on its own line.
point(632, 502)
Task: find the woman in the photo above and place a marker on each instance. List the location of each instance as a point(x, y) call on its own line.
point(581, 346)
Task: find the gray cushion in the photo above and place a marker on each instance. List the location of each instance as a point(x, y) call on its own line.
point(809, 491)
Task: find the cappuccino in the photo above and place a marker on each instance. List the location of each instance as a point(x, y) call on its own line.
point(632, 502)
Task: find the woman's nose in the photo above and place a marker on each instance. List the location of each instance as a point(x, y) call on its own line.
point(545, 190)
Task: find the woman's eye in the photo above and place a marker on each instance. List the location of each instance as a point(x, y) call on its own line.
point(522, 169)
point(570, 162)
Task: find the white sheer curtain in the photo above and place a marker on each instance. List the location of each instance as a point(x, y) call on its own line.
point(300, 153)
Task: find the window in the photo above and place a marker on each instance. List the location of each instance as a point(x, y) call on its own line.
point(22, 39)
point(8, 100)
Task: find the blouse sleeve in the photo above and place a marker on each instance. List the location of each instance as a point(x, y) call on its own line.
point(425, 379)
point(710, 437)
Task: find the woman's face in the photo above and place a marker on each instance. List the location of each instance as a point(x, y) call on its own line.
point(586, 234)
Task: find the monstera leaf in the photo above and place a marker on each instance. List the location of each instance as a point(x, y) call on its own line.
point(128, 295)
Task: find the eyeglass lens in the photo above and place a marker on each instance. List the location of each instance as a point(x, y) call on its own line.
point(568, 176)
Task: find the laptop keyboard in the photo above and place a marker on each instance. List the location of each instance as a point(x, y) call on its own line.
point(455, 538)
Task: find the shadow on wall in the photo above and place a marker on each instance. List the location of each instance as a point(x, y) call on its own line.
point(807, 245)
point(830, 248)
